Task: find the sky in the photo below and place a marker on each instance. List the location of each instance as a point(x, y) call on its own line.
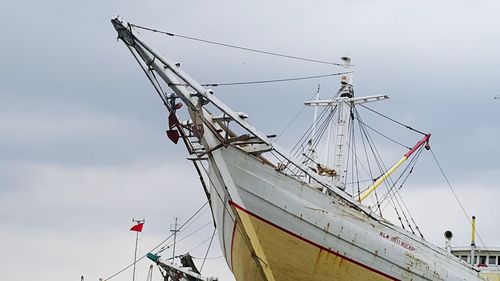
point(83, 146)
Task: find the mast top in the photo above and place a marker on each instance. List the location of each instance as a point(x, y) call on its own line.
point(346, 61)
point(346, 80)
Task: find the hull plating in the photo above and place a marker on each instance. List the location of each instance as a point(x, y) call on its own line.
point(307, 235)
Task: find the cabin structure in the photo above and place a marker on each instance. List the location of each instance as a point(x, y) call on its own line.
point(487, 261)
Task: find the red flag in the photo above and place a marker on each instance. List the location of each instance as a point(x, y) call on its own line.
point(137, 227)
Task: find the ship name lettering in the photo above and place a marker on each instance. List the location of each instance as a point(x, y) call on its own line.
point(397, 240)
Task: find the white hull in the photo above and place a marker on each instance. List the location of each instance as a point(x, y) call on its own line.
point(287, 230)
point(326, 222)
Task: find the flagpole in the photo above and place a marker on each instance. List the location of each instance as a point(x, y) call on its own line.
point(135, 253)
point(137, 228)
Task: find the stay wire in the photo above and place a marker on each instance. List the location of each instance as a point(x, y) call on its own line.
point(199, 245)
point(291, 122)
point(382, 168)
point(383, 135)
point(366, 154)
point(354, 158)
point(148, 73)
point(393, 189)
point(319, 133)
point(363, 132)
point(398, 193)
point(195, 219)
point(365, 136)
point(235, 46)
point(185, 237)
point(456, 197)
point(306, 136)
point(276, 80)
point(393, 120)
point(328, 109)
point(408, 167)
point(208, 249)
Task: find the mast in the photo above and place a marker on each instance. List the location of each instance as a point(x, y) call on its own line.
point(174, 229)
point(343, 121)
point(344, 104)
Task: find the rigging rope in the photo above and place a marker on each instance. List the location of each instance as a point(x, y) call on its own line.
point(307, 135)
point(157, 86)
point(409, 167)
point(458, 199)
point(199, 245)
point(393, 120)
point(276, 80)
point(208, 249)
point(381, 168)
point(235, 46)
point(183, 238)
point(294, 119)
point(393, 200)
point(383, 135)
point(195, 219)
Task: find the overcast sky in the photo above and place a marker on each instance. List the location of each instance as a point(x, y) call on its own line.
point(83, 148)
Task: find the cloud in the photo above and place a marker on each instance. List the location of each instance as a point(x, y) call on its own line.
point(77, 218)
point(83, 144)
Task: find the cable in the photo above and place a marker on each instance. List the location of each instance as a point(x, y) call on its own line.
point(293, 120)
point(276, 80)
point(381, 134)
point(235, 46)
point(327, 109)
point(157, 86)
point(393, 120)
point(199, 245)
point(195, 219)
point(208, 249)
point(185, 237)
point(457, 198)
point(382, 168)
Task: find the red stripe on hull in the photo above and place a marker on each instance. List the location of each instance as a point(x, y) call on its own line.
point(307, 241)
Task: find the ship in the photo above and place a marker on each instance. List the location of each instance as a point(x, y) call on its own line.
point(284, 216)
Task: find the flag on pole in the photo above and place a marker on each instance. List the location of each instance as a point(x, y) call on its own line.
point(137, 227)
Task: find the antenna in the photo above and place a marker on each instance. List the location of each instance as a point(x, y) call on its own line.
point(174, 229)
